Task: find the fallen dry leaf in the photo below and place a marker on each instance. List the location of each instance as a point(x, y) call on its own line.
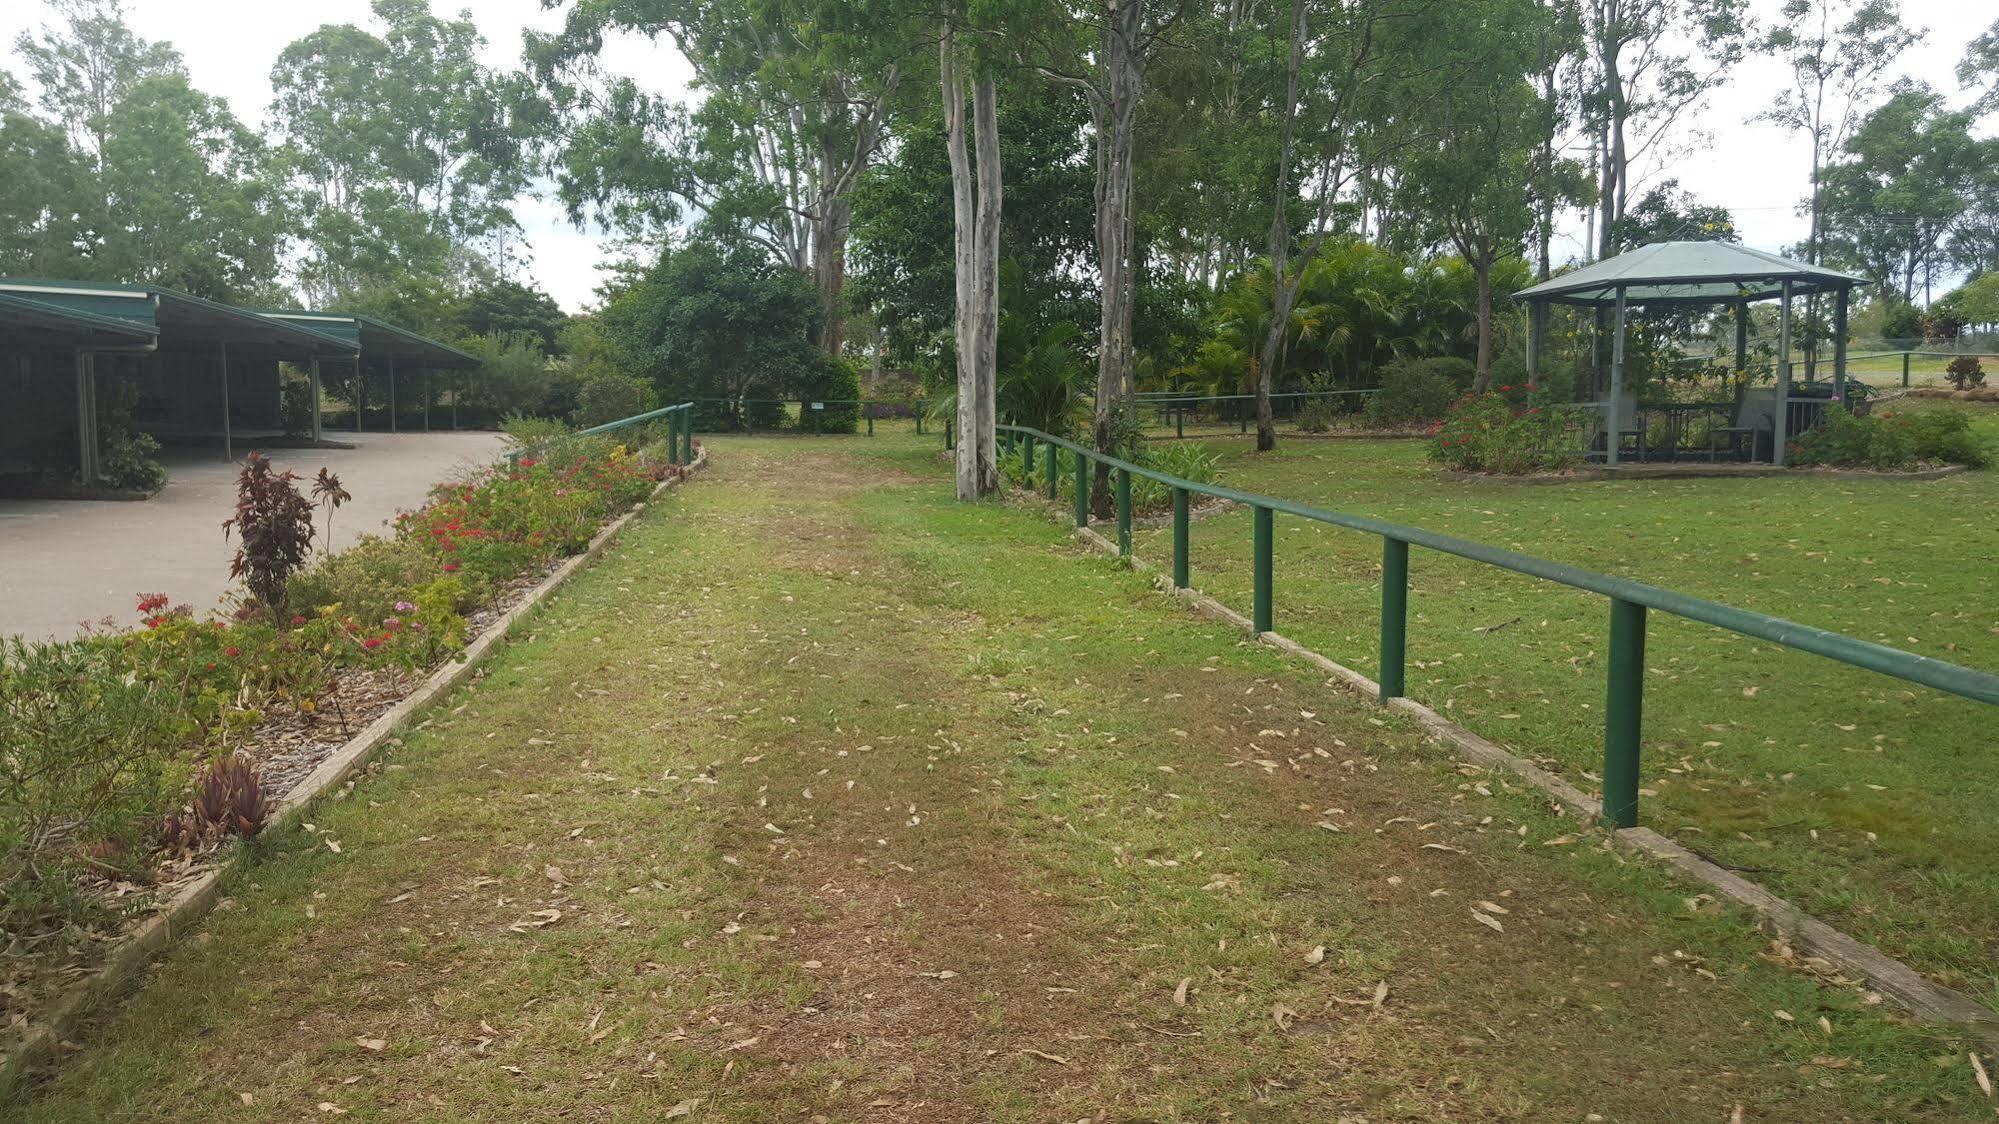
point(684, 1108)
point(1045, 1055)
point(374, 1045)
point(1317, 955)
point(1180, 993)
point(1488, 921)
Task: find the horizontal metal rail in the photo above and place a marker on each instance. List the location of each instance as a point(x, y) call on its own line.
point(1629, 601)
point(679, 433)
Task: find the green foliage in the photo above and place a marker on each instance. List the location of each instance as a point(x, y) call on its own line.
point(273, 525)
point(516, 377)
point(1418, 390)
point(1507, 433)
point(525, 431)
point(86, 764)
point(606, 396)
point(1965, 372)
point(131, 461)
point(1188, 460)
point(1890, 441)
point(719, 320)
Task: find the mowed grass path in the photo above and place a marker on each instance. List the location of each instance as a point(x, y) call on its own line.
point(1864, 799)
point(822, 796)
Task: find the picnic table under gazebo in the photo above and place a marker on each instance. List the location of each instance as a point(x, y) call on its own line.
point(1699, 274)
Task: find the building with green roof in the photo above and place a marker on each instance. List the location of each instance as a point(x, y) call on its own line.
point(86, 361)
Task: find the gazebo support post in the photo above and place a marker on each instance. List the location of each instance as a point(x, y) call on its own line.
point(1839, 344)
point(1742, 339)
point(1613, 425)
point(1782, 422)
point(1533, 352)
point(228, 448)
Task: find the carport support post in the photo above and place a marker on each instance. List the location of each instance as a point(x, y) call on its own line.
point(1781, 425)
point(392, 394)
point(228, 448)
point(85, 364)
point(360, 391)
point(1839, 345)
point(1533, 352)
point(1614, 425)
point(426, 399)
point(457, 380)
point(315, 398)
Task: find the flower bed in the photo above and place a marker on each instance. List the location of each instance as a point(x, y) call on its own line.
point(131, 761)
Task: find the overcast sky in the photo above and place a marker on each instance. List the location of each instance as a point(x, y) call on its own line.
point(1755, 170)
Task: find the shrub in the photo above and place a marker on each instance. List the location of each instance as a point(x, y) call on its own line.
point(1417, 390)
point(525, 431)
point(131, 461)
point(295, 402)
point(273, 523)
point(1965, 372)
point(1505, 432)
point(606, 396)
point(1890, 441)
point(86, 759)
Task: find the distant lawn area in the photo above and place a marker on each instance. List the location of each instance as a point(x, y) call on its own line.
point(1863, 799)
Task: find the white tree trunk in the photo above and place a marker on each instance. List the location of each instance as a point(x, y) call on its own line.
point(975, 243)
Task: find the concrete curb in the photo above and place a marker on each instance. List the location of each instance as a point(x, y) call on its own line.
point(184, 911)
point(1911, 989)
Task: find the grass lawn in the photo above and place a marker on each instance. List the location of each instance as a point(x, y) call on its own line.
point(823, 797)
point(1863, 799)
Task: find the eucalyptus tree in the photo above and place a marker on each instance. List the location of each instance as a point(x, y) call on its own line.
point(1348, 69)
point(1470, 182)
point(403, 143)
point(1103, 49)
point(1979, 69)
point(39, 228)
point(1653, 63)
point(1911, 183)
point(85, 64)
point(975, 223)
point(785, 129)
point(1838, 52)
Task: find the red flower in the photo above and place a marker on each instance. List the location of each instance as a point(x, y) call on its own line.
point(450, 567)
point(151, 602)
point(232, 651)
point(296, 621)
point(372, 642)
point(528, 462)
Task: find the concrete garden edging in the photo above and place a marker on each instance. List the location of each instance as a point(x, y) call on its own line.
point(192, 902)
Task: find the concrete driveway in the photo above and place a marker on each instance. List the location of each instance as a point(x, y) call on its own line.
point(65, 562)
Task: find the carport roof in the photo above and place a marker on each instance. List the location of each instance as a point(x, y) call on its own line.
point(169, 312)
point(27, 312)
point(376, 337)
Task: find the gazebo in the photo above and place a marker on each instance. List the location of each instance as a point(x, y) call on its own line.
point(1689, 274)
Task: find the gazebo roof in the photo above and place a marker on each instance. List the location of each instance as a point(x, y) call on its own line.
point(1689, 273)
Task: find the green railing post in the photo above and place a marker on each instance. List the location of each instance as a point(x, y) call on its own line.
point(1394, 615)
point(673, 438)
point(1180, 422)
point(1180, 565)
point(1905, 370)
point(1124, 512)
point(1027, 460)
point(687, 436)
point(919, 417)
point(1082, 490)
point(1054, 488)
point(950, 434)
point(1260, 615)
point(871, 418)
point(1624, 707)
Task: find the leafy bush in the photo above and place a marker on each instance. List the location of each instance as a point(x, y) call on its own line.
point(1965, 372)
point(132, 461)
point(86, 763)
point(1507, 432)
point(606, 396)
point(1890, 441)
point(1186, 460)
point(1418, 390)
point(295, 402)
point(524, 431)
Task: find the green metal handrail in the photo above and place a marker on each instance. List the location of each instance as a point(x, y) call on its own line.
point(679, 433)
point(1629, 601)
